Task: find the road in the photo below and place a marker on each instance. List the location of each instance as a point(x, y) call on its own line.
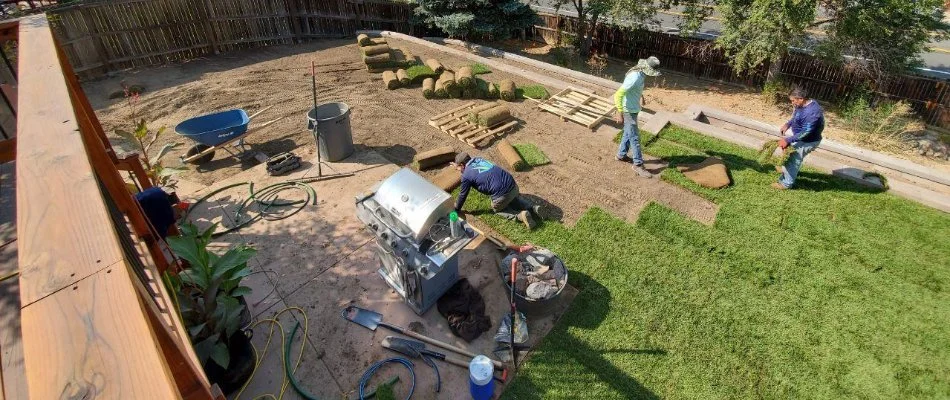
point(936, 62)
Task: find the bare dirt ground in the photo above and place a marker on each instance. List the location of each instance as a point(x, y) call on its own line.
point(583, 172)
point(676, 92)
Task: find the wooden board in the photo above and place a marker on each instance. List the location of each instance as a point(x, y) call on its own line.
point(455, 123)
point(85, 333)
point(62, 221)
point(579, 106)
point(68, 355)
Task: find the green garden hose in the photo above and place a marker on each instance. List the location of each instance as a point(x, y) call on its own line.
point(269, 205)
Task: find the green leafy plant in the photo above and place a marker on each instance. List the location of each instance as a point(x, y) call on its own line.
point(775, 91)
point(143, 139)
point(208, 291)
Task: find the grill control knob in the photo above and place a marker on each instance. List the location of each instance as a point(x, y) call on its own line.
point(424, 271)
point(384, 235)
point(374, 226)
point(392, 244)
point(405, 253)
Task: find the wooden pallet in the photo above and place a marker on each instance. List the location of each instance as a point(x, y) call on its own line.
point(455, 123)
point(585, 108)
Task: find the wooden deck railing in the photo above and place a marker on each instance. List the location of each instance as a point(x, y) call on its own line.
point(96, 320)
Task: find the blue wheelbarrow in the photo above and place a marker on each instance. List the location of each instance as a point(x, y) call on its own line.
point(215, 131)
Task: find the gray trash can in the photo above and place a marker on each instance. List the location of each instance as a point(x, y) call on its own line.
point(336, 138)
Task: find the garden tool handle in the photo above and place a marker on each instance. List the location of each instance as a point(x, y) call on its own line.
point(434, 342)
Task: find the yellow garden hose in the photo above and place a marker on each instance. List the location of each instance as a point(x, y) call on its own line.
point(258, 358)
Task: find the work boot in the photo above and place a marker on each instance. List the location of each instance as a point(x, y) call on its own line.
point(779, 186)
point(642, 171)
point(624, 159)
point(536, 210)
point(526, 219)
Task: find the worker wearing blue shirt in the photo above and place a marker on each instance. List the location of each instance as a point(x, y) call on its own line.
point(807, 123)
point(498, 184)
point(627, 99)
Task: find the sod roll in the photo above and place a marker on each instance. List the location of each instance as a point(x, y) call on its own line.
point(440, 89)
point(511, 156)
point(494, 116)
point(435, 157)
point(492, 91)
point(465, 78)
point(403, 78)
point(375, 49)
point(378, 58)
point(435, 65)
point(428, 88)
point(473, 115)
point(451, 87)
point(377, 41)
point(448, 179)
point(389, 78)
point(481, 88)
point(363, 40)
point(507, 90)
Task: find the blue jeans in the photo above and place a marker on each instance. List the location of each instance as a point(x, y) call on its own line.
point(630, 139)
point(794, 163)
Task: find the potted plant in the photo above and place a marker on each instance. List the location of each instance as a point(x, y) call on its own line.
point(210, 299)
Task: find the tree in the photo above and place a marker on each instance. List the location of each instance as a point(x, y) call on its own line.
point(495, 19)
point(590, 13)
point(872, 36)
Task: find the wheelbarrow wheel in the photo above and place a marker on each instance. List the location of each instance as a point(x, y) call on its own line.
point(198, 148)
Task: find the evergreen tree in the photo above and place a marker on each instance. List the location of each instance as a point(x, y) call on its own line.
point(495, 19)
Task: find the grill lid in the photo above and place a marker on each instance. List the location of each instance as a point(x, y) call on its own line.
point(413, 202)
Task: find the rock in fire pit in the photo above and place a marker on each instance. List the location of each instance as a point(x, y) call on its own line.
point(541, 276)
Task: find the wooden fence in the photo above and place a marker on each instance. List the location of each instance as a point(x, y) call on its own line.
point(929, 97)
point(102, 36)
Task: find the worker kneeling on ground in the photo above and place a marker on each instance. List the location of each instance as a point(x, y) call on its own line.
point(808, 120)
point(498, 184)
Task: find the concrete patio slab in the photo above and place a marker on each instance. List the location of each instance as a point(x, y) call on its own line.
point(321, 260)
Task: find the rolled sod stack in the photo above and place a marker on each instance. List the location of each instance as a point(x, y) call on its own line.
point(493, 116)
point(507, 90)
point(428, 88)
point(375, 49)
point(389, 78)
point(511, 156)
point(465, 78)
point(403, 78)
point(435, 65)
point(363, 40)
point(377, 59)
point(473, 115)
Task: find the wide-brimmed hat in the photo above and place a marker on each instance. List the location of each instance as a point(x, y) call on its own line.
point(649, 66)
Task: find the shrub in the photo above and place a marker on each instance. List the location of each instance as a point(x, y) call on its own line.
point(885, 126)
point(775, 90)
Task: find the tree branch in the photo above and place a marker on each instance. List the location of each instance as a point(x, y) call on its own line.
point(823, 21)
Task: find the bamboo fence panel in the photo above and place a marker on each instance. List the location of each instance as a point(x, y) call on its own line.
point(102, 36)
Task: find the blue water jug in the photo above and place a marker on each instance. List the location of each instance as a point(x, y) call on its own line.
point(480, 374)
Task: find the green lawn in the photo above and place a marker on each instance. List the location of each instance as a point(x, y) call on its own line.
point(828, 291)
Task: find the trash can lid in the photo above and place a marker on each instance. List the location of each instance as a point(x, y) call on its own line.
point(329, 111)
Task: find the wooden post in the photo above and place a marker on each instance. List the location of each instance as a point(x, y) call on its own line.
point(294, 18)
point(96, 37)
point(211, 28)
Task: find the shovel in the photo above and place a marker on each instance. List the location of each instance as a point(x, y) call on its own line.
point(371, 319)
point(414, 349)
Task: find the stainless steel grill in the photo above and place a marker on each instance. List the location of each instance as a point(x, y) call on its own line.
point(418, 255)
